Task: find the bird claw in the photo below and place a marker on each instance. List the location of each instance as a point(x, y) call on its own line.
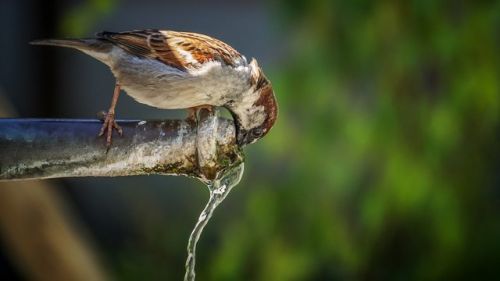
point(108, 126)
point(193, 112)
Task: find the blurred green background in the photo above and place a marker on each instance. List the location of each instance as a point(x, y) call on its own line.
point(383, 165)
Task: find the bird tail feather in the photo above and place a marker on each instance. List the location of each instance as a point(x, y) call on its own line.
point(91, 44)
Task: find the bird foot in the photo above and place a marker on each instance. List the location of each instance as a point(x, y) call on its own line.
point(193, 112)
point(108, 126)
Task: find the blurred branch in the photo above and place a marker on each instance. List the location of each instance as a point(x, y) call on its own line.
point(38, 148)
point(41, 235)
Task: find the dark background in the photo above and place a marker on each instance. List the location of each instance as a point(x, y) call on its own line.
point(383, 165)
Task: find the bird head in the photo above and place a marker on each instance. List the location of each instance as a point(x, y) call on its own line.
point(256, 114)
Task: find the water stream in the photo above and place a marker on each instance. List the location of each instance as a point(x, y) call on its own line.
point(219, 189)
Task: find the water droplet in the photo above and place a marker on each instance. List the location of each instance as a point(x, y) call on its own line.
point(220, 190)
point(203, 216)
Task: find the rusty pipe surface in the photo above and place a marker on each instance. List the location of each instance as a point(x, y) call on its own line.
point(53, 148)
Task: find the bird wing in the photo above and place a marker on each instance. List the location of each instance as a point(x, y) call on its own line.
point(181, 50)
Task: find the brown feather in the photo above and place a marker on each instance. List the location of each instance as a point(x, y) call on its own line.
point(268, 101)
point(166, 46)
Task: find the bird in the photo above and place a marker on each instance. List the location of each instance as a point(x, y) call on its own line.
point(182, 70)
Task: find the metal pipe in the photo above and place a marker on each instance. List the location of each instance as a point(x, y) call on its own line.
point(54, 148)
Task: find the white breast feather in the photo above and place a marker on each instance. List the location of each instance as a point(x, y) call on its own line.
point(156, 84)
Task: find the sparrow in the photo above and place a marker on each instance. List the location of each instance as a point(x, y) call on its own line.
point(182, 70)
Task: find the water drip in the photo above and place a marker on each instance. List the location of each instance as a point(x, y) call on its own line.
point(219, 189)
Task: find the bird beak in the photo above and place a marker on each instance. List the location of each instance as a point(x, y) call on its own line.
point(241, 133)
point(241, 137)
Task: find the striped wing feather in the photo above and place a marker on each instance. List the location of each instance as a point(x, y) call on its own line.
point(178, 49)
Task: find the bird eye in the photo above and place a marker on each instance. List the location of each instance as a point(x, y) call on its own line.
point(257, 132)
